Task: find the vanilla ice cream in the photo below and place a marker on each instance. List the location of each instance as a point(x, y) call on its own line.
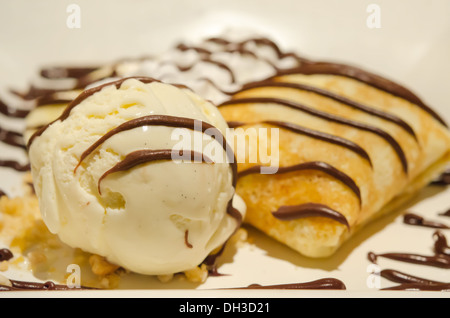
point(106, 183)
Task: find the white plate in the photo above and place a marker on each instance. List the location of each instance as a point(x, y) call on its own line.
point(411, 46)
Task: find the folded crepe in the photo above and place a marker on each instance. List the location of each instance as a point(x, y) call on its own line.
point(352, 146)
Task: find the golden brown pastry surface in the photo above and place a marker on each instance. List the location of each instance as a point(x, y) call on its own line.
point(352, 146)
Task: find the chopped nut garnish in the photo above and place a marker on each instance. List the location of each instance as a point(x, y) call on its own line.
point(197, 275)
point(100, 266)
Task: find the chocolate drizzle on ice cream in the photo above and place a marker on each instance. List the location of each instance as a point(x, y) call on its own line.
point(144, 156)
point(169, 121)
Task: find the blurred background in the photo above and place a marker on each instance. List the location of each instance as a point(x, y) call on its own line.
point(410, 43)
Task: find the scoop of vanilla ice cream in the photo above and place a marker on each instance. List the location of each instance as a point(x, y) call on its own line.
point(155, 217)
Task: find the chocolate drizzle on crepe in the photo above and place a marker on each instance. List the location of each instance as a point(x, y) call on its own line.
point(294, 212)
point(314, 209)
point(311, 165)
point(314, 134)
point(343, 100)
point(310, 209)
point(326, 116)
point(309, 68)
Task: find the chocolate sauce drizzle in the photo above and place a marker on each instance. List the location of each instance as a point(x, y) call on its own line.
point(12, 138)
point(221, 65)
point(410, 282)
point(443, 179)
point(143, 156)
point(5, 254)
point(310, 209)
point(186, 239)
point(440, 244)
point(343, 100)
point(350, 145)
point(311, 165)
point(51, 99)
point(323, 115)
point(414, 219)
point(307, 210)
point(12, 112)
point(294, 212)
point(18, 285)
point(33, 93)
point(446, 213)
point(440, 259)
point(85, 94)
point(229, 48)
point(263, 41)
point(15, 165)
point(309, 68)
point(66, 72)
point(169, 121)
point(139, 157)
point(324, 283)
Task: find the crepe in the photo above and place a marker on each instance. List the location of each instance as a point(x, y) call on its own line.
point(352, 146)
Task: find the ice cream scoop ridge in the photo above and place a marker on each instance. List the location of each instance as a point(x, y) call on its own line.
point(112, 179)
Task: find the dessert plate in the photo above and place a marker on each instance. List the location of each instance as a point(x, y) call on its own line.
point(406, 41)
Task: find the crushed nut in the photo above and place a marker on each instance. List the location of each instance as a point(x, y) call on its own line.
point(100, 266)
point(197, 274)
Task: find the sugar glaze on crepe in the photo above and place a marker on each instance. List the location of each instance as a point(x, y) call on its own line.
point(352, 146)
